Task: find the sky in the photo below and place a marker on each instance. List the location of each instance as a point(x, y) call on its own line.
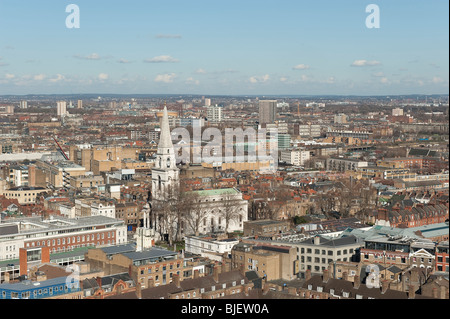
point(246, 47)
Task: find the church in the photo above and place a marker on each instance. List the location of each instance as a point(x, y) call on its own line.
point(215, 204)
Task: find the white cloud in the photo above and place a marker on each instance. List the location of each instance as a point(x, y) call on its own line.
point(437, 80)
point(165, 78)
point(93, 56)
point(360, 63)
point(58, 78)
point(161, 59)
point(384, 80)
point(301, 67)
point(283, 79)
point(103, 76)
point(168, 36)
point(200, 71)
point(259, 79)
point(9, 76)
point(191, 80)
point(124, 61)
point(39, 77)
point(306, 78)
point(331, 80)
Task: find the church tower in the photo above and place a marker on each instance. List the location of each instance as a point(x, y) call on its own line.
point(165, 173)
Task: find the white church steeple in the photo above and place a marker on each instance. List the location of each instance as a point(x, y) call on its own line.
point(165, 172)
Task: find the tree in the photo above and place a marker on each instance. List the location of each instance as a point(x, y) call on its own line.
point(193, 211)
point(229, 210)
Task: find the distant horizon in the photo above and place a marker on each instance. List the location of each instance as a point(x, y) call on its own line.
point(225, 95)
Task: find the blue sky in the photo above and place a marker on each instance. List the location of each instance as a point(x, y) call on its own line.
point(224, 47)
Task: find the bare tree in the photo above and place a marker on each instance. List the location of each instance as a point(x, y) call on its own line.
point(193, 211)
point(229, 210)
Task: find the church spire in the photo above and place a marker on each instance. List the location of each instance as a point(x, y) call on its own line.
point(165, 140)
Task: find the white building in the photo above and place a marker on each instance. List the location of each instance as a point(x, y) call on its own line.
point(103, 208)
point(397, 112)
point(294, 157)
point(219, 203)
point(61, 108)
point(208, 246)
point(214, 113)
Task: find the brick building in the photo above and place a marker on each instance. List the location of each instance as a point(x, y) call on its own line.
point(269, 261)
point(442, 257)
point(414, 216)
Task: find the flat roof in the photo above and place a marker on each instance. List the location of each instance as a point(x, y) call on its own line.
point(149, 254)
point(215, 192)
point(28, 285)
point(55, 223)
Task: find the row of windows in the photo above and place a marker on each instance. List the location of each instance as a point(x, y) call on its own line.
point(37, 292)
point(325, 252)
point(393, 258)
point(164, 268)
point(77, 239)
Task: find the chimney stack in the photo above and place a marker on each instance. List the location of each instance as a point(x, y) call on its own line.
point(356, 282)
point(150, 283)
point(242, 270)
point(345, 275)
point(443, 292)
point(411, 292)
point(435, 293)
point(384, 286)
point(292, 291)
point(139, 290)
point(325, 276)
point(308, 274)
point(176, 280)
point(216, 274)
point(265, 288)
point(196, 273)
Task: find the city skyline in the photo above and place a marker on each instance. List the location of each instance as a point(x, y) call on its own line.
point(252, 48)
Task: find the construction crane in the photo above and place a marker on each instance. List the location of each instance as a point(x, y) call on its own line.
point(61, 150)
